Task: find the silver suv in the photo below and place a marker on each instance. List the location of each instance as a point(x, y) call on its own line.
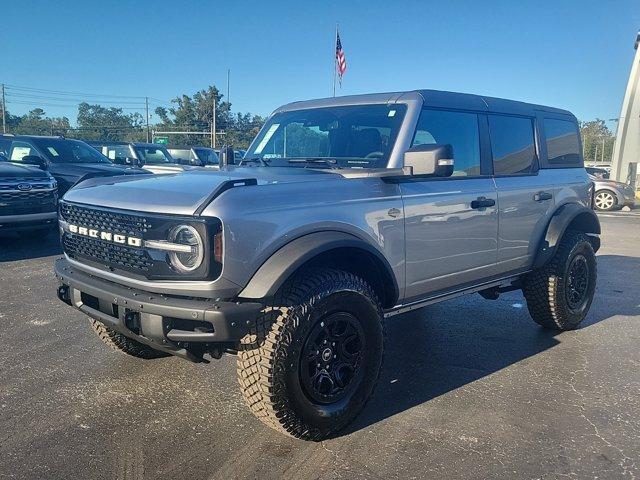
point(343, 213)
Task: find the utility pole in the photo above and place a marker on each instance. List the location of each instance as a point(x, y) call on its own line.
point(146, 107)
point(602, 154)
point(228, 95)
point(213, 124)
point(4, 112)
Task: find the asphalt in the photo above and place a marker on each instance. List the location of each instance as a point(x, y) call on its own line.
point(470, 389)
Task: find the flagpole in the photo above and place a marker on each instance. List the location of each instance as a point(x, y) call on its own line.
point(335, 61)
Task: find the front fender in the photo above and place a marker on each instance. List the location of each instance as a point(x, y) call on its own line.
point(289, 258)
point(575, 215)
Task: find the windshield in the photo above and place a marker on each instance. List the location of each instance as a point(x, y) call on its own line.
point(349, 136)
point(60, 150)
point(207, 155)
point(153, 155)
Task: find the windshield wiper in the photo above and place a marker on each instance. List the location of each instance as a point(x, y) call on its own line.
point(329, 162)
point(256, 159)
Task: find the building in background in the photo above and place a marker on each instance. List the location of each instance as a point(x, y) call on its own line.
point(626, 152)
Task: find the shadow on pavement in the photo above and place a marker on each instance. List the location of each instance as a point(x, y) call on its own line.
point(15, 247)
point(445, 346)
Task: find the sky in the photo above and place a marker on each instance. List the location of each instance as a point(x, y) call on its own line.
point(569, 54)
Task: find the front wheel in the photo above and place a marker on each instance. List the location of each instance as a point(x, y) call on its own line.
point(313, 360)
point(560, 293)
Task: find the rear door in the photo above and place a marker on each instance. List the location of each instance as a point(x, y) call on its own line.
point(525, 193)
point(450, 239)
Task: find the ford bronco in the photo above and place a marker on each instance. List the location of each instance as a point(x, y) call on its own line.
point(343, 213)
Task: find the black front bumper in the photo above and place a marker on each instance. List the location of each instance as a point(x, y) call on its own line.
point(175, 325)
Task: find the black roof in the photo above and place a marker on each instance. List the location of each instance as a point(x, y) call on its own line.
point(439, 98)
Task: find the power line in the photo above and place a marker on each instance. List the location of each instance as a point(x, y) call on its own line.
point(61, 92)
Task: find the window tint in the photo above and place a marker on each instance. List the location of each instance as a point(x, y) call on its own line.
point(154, 155)
point(118, 152)
point(512, 144)
point(460, 130)
point(563, 144)
point(19, 150)
point(60, 150)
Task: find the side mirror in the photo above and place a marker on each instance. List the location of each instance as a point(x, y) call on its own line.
point(433, 160)
point(35, 160)
point(196, 162)
point(3, 158)
point(226, 156)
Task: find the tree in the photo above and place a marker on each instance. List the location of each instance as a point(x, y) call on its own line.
point(35, 122)
point(195, 113)
point(597, 141)
point(100, 123)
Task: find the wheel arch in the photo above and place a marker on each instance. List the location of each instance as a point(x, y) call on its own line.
point(328, 249)
point(570, 216)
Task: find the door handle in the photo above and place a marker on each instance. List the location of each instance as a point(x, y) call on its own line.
point(542, 196)
point(483, 202)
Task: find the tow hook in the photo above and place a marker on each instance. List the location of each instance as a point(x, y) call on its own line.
point(63, 294)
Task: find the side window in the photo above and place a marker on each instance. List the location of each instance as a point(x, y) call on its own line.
point(19, 150)
point(460, 130)
point(563, 142)
point(118, 152)
point(512, 144)
point(5, 146)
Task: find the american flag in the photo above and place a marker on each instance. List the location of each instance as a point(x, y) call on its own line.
point(341, 61)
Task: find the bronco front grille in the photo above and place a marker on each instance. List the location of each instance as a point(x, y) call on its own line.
point(108, 254)
point(105, 220)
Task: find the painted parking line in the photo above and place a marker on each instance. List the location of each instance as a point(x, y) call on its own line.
point(619, 215)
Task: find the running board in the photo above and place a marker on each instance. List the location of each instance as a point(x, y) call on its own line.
point(503, 284)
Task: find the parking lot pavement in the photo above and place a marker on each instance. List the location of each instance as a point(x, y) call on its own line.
point(470, 389)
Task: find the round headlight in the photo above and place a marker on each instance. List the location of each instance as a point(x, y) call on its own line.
point(187, 261)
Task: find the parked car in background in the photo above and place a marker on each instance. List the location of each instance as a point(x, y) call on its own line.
point(28, 198)
point(597, 172)
point(196, 156)
point(610, 194)
point(68, 161)
point(153, 157)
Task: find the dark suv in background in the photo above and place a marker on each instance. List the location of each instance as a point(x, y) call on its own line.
point(28, 198)
point(68, 161)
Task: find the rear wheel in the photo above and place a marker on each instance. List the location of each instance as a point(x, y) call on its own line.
point(605, 200)
point(313, 360)
point(119, 342)
point(560, 293)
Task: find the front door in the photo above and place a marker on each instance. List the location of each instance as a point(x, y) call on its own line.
point(451, 224)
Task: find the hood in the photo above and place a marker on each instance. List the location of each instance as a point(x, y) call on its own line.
point(108, 168)
point(169, 168)
point(181, 194)
point(13, 170)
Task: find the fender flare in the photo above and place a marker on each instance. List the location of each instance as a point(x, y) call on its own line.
point(266, 281)
point(560, 221)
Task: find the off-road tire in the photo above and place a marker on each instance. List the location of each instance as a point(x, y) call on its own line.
point(123, 344)
point(545, 288)
point(270, 358)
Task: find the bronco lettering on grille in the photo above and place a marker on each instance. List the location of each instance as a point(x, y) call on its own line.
point(107, 236)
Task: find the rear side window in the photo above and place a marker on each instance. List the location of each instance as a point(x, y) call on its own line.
point(512, 144)
point(563, 142)
point(460, 130)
